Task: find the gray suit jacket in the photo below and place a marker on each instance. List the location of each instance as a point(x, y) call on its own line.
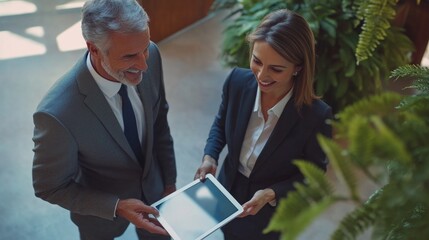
point(82, 159)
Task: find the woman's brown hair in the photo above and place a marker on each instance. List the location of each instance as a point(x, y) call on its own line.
point(289, 34)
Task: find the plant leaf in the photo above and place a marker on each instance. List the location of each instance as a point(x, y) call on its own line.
point(341, 165)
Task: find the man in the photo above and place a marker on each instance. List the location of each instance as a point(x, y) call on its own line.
point(103, 148)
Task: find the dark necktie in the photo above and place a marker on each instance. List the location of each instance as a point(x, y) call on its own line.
point(130, 126)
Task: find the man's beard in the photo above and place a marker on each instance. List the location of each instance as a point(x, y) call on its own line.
point(119, 76)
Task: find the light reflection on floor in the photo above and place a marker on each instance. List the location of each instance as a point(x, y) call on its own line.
point(9, 8)
point(23, 47)
point(71, 39)
point(16, 45)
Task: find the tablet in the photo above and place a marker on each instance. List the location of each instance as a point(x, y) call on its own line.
point(197, 209)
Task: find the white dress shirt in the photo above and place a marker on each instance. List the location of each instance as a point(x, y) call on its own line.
point(110, 90)
point(258, 131)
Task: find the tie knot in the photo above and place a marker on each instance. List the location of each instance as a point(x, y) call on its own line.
point(123, 91)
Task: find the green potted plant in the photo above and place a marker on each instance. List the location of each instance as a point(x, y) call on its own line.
point(385, 137)
point(346, 33)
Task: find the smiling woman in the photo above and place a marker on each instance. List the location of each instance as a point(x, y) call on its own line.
point(274, 74)
point(269, 115)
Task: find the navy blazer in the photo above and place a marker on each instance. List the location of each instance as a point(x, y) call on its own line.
point(294, 137)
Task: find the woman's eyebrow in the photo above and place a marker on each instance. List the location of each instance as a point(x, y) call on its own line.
point(273, 65)
point(278, 66)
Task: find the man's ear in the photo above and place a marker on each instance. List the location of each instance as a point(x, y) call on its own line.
point(93, 49)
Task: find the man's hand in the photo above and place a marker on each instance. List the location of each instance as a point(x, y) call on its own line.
point(209, 165)
point(137, 213)
point(259, 199)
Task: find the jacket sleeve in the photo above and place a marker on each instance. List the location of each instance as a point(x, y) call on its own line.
point(217, 137)
point(55, 165)
point(163, 141)
point(312, 151)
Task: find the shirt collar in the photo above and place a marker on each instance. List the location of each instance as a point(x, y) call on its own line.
point(278, 108)
point(108, 87)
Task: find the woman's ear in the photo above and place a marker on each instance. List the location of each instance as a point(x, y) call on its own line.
point(296, 70)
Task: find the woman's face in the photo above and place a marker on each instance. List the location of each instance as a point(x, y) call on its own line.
point(273, 72)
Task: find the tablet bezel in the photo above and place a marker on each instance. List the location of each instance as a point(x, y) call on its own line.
point(170, 229)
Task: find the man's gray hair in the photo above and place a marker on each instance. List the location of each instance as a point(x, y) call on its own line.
point(102, 17)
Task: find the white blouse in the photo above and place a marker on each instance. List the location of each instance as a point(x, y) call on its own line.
point(258, 131)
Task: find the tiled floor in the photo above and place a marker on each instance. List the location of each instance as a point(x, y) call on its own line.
point(37, 47)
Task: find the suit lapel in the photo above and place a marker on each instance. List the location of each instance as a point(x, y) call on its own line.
point(245, 110)
point(285, 123)
point(97, 103)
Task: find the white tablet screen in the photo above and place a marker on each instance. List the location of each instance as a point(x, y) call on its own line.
point(196, 210)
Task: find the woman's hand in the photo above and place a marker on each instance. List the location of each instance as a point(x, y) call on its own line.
point(259, 199)
point(209, 165)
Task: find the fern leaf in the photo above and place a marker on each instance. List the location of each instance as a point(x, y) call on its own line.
point(371, 142)
point(359, 7)
point(361, 140)
point(381, 105)
point(287, 209)
point(341, 164)
point(315, 177)
point(291, 227)
point(414, 225)
point(411, 71)
point(359, 220)
point(419, 73)
point(302, 206)
point(376, 16)
point(415, 104)
point(389, 145)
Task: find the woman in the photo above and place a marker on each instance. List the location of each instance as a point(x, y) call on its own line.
point(268, 117)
